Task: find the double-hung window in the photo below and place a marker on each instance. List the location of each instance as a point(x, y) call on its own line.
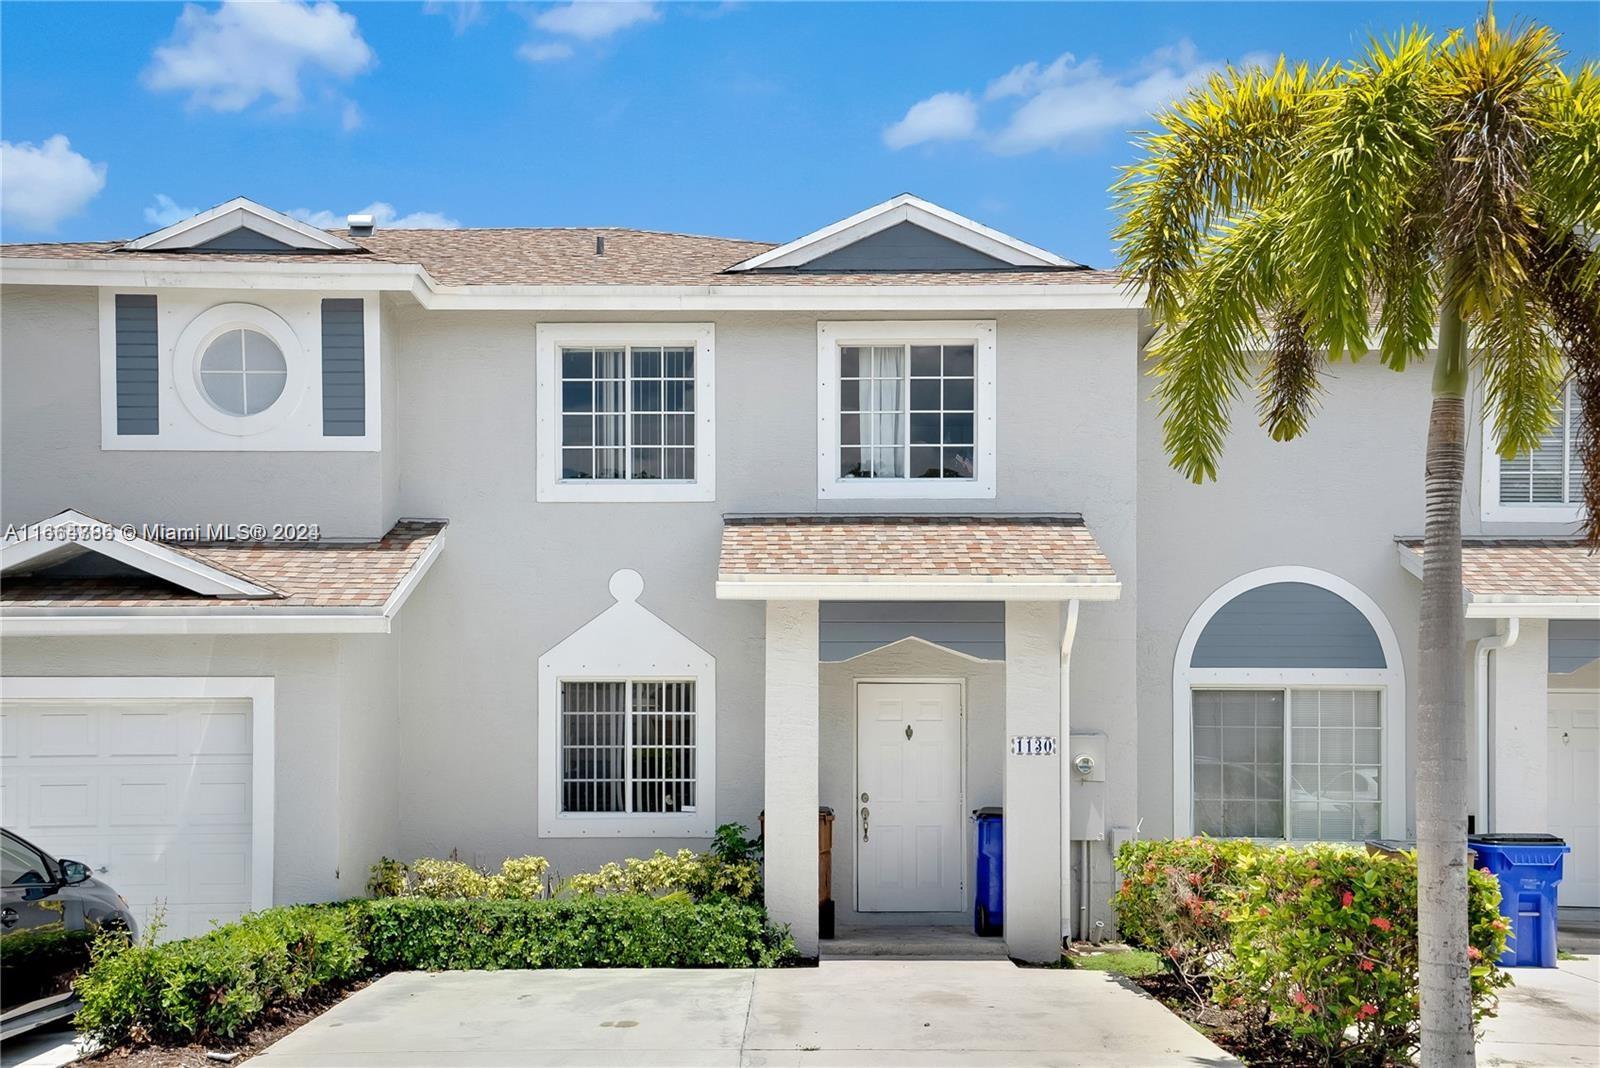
point(625, 411)
point(1299, 763)
point(907, 409)
point(628, 746)
point(1545, 483)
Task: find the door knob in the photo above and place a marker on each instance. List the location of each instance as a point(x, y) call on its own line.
point(102, 869)
point(864, 815)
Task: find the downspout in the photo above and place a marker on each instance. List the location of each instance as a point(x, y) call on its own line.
point(1502, 639)
point(1067, 636)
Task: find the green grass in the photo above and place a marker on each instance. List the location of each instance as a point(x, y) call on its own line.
point(1130, 962)
point(1562, 954)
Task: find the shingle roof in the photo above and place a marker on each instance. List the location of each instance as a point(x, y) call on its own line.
point(1046, 546)
point(1524, 567)
point(563, 256)
point(301, 574)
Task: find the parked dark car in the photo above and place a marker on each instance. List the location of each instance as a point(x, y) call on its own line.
point(51, 912)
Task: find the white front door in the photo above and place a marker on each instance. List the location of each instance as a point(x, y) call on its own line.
point(908, 797)
point(1574, 801)
point(153, 795)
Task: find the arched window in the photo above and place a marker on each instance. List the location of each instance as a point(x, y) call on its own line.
point(1288, 713)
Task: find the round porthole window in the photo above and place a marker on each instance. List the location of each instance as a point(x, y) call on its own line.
point(242, 372)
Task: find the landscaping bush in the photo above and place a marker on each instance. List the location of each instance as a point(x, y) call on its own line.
point(519, 879)
point(219, 984)
point(621, 930)
point(1324, 945)
point(1174, 900)
point(700, 875)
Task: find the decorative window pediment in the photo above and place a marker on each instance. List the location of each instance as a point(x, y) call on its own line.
point(627, 727)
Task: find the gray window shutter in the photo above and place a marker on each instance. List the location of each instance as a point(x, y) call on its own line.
point(138, 375)
point(344, 368)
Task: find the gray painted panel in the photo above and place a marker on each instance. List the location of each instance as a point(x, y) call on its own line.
point(244, 239)
point(1288, 624)
point(137, 353)
point(850, 628)
point(1573, 643)
point(344, 368)
point(905, 247)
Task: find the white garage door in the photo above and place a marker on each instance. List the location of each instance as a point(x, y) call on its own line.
point(1574, 800)
point(152, 794)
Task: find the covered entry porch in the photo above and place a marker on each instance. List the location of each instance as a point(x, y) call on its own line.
point(916, 667)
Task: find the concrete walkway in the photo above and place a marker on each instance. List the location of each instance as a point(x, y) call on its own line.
point(1548, 1017)
point(843, 1013)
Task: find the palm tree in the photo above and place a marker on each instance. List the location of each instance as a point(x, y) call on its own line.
point(1278, 219)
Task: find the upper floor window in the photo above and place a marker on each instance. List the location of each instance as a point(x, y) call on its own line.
point(907, 409)
point(1544, 484)
point(625, 411)
point(242, 372)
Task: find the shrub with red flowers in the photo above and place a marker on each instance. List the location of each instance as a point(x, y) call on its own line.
point(1324, 941)
point(1174, 898)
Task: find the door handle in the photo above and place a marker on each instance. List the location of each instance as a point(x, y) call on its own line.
point(8, 917)
point(864, 815)
point(102, 869)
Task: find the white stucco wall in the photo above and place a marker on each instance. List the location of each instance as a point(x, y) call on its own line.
point(1519, 798)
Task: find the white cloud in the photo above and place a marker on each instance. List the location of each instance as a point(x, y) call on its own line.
point(462, 13)
point(941, 117)
point(383, 216)
point(228, 58)
point(1060, 104)
point(545, 51)
point(594, 20)
point(166, 211)
point(350, 116)
point(42, 184)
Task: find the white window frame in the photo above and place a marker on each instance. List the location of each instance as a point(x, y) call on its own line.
point(627, 643)
point(834, 335)
point(1390, 681)
point(550, 338)
point(1492, 511)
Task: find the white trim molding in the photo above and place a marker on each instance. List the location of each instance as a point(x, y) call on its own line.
point(241, 212)
point(259, 691)
point(833, 335)
point(69, 532)
point(904, 208)
point(784, 587)
point(1389, 680)
point(624, 643)
point(548, 341)
point(1490, 508)
point(201, 331)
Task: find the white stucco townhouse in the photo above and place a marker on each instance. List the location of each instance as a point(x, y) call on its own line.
point(327, 545)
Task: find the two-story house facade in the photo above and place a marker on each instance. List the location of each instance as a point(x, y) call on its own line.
point(331, 545)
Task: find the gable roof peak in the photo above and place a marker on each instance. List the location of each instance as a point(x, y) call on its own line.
point(242, 213)
point(906, 208)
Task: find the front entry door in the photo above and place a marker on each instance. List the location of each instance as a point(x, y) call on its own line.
point(908, 797)
point(1574, 734)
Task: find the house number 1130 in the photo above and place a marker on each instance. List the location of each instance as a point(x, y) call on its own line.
point(1033, 745)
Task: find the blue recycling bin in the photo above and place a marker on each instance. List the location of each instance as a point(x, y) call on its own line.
point(1529, 869)
point(988, 906)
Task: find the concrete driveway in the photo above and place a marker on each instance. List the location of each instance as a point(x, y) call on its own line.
point(1548, 1017)
point(843, 1012)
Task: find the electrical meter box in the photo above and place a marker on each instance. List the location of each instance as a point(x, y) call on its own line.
point(1086, 783)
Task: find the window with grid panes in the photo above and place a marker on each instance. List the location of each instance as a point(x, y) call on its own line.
point(1552, 473)
point(1329, 740)
point(907, 411)
point(627, 413)
point(628, 746)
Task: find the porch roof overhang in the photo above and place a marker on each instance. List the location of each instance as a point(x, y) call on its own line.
point(931, 557)
point(1521, 578)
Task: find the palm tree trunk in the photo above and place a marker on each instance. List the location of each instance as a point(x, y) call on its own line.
point(1442, 766)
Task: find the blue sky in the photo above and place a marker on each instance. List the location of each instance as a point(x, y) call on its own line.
point(754, 120)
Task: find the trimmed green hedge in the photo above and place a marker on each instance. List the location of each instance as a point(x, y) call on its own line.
point(1316, 943)
point(219, 985)
point(614, 931)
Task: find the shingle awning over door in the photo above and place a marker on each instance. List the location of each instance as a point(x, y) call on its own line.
point(1029, 557)
point(1551, 578)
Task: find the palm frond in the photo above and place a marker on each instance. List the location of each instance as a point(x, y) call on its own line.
point(1522, 375)
point(1219, 151)
point(1407, 288)
point(1574, 316)
point(1492, 90)
point(1202, 360)
point(1290, 382)
point(1371, 145)
point(1565, 174)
